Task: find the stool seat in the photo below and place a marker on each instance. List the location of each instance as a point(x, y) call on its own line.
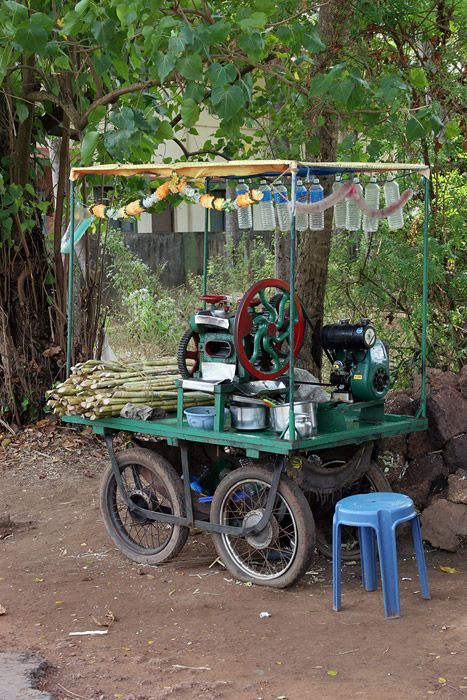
point(377, 515)
point(362, 507)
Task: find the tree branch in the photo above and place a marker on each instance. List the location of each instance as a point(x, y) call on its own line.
point(190, 154)
point(113, 96)
point(43, 96)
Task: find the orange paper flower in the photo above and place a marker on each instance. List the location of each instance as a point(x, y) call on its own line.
point(98, 210)
point(122, 213)
point(218, 203)
point(206, 200)
point(134, 208)
point(163, 190)
point(181, 185)
point(244, 200)
point(257, 195)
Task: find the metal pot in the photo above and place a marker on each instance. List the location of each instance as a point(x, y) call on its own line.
point(280, 415)
point(249, 417)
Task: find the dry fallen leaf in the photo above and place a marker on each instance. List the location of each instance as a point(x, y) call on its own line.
point(448, 569)
point(332, 672)
point(2, 610)
point(108, 620)
point(442, 680)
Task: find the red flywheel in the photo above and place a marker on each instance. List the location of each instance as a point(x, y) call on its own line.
point(261, 331)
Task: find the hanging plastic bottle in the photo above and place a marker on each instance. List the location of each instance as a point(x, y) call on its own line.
point(301, 219)
point(282, 206)
point(316, 195)
point(372, 193)
point(244, 214)
point(353, 215)
point(340, 208)
point(266, 208)
point(391, 194)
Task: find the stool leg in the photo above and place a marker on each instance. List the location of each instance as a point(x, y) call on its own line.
point(420, 554)
point(336, 564)
point(366, 536)
point(388, 563)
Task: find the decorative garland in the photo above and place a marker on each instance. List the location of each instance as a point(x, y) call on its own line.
point(351, 190)
point(180, 186)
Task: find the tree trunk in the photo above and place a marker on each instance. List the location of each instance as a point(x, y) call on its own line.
point(315, 246)
point(26, 319)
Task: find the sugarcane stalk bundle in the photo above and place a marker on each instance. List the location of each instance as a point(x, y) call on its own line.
point(98, 389)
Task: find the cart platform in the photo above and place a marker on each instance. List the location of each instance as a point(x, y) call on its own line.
point(255, 442)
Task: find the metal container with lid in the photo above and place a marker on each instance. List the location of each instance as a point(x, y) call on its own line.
point(280, 415)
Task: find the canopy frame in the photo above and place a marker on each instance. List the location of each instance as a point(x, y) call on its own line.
point(255, 169)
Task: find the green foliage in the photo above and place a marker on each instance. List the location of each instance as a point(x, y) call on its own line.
point(153, 316)
point(244, 262)
point(130, 76)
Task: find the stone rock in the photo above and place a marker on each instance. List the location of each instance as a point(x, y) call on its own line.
point(444, 524)
point(401, 403)
point(457, 487)
point(421, 474)
point(447, 415)
point(462, 383)
point(436, 380)
point(419, 444)
point(455, 453)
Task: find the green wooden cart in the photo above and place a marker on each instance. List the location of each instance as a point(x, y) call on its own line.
point(265, 486)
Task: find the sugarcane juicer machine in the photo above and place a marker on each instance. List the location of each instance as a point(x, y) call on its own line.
point(251, 344)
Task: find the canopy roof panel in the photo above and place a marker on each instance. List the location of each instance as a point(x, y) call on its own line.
point(243, 168)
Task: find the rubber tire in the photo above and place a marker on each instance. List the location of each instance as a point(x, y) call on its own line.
point(301, 511)
point(173, 485)
point(380, 483)
point(181, 359)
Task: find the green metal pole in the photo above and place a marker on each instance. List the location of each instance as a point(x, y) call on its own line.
point(69, 337)
point(292, 307)
point(205, 245)
point(422, 410)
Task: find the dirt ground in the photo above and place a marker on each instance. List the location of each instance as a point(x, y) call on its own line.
point(186, 629)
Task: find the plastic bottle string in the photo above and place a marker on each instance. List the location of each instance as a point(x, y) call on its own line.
point(352, 191)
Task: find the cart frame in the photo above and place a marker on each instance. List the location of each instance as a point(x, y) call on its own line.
point(370, 421)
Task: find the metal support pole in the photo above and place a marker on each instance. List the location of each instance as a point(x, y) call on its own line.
point(425, 295)
point(71, 260)
point(293, 199)
point(205, 245)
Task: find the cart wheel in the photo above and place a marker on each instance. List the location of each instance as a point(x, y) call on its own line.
point(185, 353)
point(372, 480)
point(280, 554)
point(152, 483)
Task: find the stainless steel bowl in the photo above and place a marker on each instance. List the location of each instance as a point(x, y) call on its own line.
point(279, 415)
point(249, 417)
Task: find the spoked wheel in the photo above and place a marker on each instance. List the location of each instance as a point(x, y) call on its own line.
point(188, 350)
point(280, 554)
point(152, 483)
point(260, 330)
point(372, 480)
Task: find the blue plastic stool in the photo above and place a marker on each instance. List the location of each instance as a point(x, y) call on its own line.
point(377, 515)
